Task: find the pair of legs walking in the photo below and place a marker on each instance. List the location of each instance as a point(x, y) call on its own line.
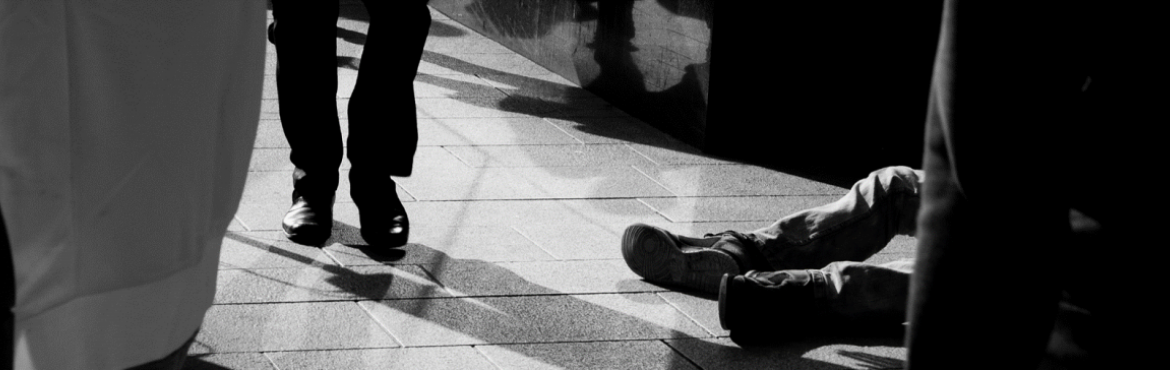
point(383, 131)
point(806, 263)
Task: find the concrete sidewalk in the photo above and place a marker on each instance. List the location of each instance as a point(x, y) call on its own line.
point(523, 185)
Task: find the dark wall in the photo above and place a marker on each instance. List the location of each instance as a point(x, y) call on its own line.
point(842, 87)
point(649, 58)
point(824, 89)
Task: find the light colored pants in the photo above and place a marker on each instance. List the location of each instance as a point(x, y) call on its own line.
point(835, 237)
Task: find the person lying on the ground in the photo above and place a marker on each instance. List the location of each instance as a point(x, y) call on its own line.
point(805, 265)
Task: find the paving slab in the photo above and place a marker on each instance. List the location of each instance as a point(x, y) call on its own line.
point(902, 244)
point(269, 134)
point(438, 216)
point(722, 353)
point(490, 131)
point(325, 283)
point(269, 108)
point(262, 216)
point(277, 160)
point(268, 249)
point(545, 156)
point(289, 326)
point(883, 258)
point(440, 63)
point(762, 209)
point(550, 87)
point(568, 240)
point(443, 214)
point(531, 183)
point(233, 361)
point(276, 187)
point(613, 130)
point(668, 153)
point(463, 357)
point(478, 278)
point(539, 86)
point(529, 319)
point(430, 244)
point(463, 45)
point(477, 108)
point(236, 225)
point(725, 180)
point(577, 108)
point(434, 158)
point(452, 86)
point(641, 355)
point(699, 306)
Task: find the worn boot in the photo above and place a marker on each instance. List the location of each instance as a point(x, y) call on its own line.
point(762, 303)
point(659, 256)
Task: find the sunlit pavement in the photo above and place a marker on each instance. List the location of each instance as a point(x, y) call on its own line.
point(523, 184)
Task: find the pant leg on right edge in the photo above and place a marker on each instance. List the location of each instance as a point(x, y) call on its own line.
point(853, 228)
point(306, 82)
point(867, 292)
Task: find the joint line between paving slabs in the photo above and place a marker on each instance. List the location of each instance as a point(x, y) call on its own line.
point(329, 254)
point(654, 180)
point(558, 128)
point(631, 147)
point(684, 313)
point(663, 215)
point(270, 360)
point(405, 190)
point(680, 354)
point(485, 356)
point(538, 246)
point(237, 218)
point(401, 344)
point(433, 278)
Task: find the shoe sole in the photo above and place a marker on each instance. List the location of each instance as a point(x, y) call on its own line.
point(652, 254)
point(314, 238)
point(724, 286)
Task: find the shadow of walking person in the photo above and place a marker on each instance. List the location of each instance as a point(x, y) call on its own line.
point(560, 313)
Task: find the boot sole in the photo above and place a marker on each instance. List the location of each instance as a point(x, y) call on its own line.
point(313, 238)
point(725, 283)
point(652, 254)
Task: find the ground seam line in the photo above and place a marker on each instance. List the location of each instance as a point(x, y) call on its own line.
point(485, 356)
point(680, 354)
point(382, 325)
point(672, 305)
point(538, 246)
point(654, 180)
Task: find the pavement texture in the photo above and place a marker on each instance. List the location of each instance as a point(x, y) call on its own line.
point(523, 185)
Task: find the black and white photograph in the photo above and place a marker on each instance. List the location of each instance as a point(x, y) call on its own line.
point(547, 184)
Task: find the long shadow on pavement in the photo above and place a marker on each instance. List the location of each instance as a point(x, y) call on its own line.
point(497, 306)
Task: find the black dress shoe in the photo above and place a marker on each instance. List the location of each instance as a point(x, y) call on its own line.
point(309, 222)
point(386, 225)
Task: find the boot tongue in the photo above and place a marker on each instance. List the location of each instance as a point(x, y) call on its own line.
point(705, 242)
point(747, 258)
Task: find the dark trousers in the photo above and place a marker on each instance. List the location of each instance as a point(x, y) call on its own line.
point(1038, 111)
point(383, 130)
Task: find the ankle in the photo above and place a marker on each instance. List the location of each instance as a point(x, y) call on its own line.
point(743, 249)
